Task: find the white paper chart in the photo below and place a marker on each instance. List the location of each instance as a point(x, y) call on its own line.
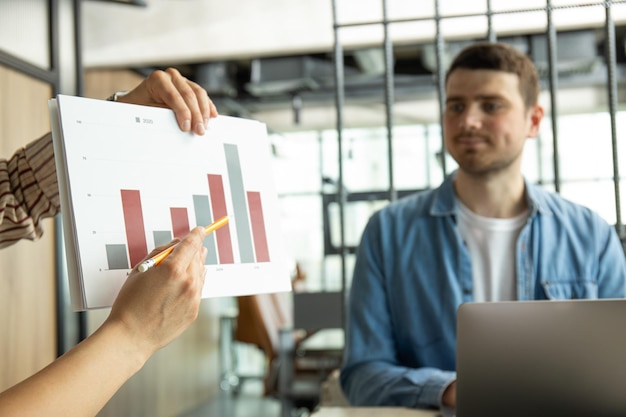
point(130, 180)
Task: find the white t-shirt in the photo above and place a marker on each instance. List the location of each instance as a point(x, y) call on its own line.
point(491, 243)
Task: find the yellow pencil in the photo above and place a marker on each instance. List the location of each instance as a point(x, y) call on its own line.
point(158, 258)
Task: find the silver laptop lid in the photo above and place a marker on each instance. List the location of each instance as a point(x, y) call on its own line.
point(542, 358)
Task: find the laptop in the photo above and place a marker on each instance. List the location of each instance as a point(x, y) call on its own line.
point(542, 359)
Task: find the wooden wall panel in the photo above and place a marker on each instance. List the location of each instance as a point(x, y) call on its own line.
point(27, 269)
point(185, 373)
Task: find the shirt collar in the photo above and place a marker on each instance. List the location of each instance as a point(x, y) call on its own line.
point(536, 197)
point(445, 201)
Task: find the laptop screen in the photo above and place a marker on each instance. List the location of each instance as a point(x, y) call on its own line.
point(542, 358)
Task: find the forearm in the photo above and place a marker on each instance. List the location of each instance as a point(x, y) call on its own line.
point(611, 268)
point(385, 385)
point(80, 382)
point(28, 191)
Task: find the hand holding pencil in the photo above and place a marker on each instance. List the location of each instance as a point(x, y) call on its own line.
point(158, 258)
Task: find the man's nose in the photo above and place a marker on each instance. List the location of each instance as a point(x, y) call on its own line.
point(471, 119)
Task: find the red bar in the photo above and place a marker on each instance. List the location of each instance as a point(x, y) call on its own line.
point(218, 205)
point(180, 221)
point(133, 220)
point(258, 226)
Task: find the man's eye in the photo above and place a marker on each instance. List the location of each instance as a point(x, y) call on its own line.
point(491, 107)
point(455, 107)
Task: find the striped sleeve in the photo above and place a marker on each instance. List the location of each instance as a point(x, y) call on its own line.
point(28, 191)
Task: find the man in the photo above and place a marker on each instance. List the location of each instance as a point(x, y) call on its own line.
point(152, 307)
point(485, 234)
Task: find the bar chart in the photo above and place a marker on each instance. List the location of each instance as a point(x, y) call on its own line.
point(134, 182)
point(248, 207)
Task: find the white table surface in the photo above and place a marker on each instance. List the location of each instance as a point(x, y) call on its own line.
point(373, 412)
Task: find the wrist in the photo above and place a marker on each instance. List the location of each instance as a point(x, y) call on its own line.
point(133, 351)
point(448, 398)
point(117, 95)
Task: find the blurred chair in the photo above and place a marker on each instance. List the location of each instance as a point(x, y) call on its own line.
point(321, 316)
point(294, 373)
point(259, 321)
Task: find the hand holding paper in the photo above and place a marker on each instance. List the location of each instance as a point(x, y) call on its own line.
point(130, 180)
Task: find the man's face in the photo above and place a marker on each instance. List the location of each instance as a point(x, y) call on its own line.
point(485, 121)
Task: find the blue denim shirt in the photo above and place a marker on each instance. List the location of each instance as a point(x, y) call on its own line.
point(413, 271)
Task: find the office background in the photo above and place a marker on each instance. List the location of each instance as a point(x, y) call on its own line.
point(348, 135)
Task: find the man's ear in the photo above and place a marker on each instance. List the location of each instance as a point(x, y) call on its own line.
point(536, 115)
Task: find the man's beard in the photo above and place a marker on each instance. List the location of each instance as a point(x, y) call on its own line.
point(480, 162)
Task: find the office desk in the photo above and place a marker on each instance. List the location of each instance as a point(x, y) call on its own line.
point(373, 412)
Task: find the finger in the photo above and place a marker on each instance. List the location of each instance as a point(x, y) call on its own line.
point(205, 104)
point(213, 110)
point(157, 250)
point(164, 92)
point(202, 253)
point(188, 248)
point(195, 97)
point(161, 89)
point(195, 101)
point(198, 270)
point(198, 264)
point(190, 102)
point(161, 248)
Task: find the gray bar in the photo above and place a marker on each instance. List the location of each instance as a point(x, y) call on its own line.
point(204, 217)
point(162, 237)
point(611, 64)
point(240, 204)
point(117, 257)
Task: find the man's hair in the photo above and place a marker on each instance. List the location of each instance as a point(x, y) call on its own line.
point(501, 57)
